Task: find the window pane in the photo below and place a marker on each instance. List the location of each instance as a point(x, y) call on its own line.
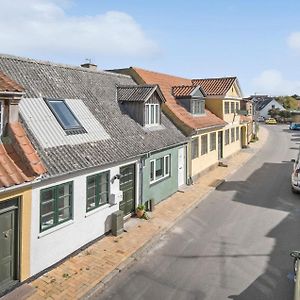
point(232, 107)
point(47, 221)
point(159, 166)
point(64, 214)
point(167, 163)
point(237, 133)
point(147, 114)
point(204, 144)
point(152, 114)
point(64, 114)
point(232, 135)
point(152, 171)
point(157, 114)
point(195, 148)
point(212, 141)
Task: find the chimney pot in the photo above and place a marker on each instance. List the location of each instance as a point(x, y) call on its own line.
point(89, 66)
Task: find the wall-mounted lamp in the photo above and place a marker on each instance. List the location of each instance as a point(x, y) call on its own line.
point(117, 176)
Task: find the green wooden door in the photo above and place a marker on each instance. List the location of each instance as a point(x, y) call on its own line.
point(8, 246)
point(127, 186)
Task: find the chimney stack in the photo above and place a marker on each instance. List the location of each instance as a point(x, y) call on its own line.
point(89, 66)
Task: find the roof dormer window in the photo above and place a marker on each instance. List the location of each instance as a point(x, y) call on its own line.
point(198, 107)
point(152, 114)
point(65, 116)
point(142, 103)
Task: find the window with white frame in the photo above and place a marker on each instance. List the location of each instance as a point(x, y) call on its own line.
point(232, 107)
point(152, 114)
point(198, 107)
point(237, 133)
point(195, 147)
point(237, 107)
point(226, 108)
point(232, 135)
point(226, 136)
point(213, 140)
point(204, 145)
point(160, 168)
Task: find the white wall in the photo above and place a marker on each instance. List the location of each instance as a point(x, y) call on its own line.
point(265, 111)
point(52, 245)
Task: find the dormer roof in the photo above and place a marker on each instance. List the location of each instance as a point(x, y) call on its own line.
point(186, 91)
point(215, 86)
point(140, 93)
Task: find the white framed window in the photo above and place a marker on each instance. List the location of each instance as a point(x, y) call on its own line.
point(152, 114)
point(213, 141)
point(204, 145)
point(198, 107)
point(226, 107)
point(232, 104)
point(160, 168)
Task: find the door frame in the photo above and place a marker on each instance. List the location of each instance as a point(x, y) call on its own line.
point(183, 150)
point(134, 186)
point(14, 204)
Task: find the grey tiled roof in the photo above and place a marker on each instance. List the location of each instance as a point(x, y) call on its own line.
point(135, 93)
point(97, 89)
point(263, 103)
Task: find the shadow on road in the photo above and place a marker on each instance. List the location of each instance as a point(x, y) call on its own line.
point(274, 283)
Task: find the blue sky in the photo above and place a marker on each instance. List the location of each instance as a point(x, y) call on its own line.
point(258, 41)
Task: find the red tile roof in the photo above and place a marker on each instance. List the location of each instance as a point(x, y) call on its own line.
point(19, 162)
point(8, 85)
point(215, 86)
point(166, 83)
point(182, 90)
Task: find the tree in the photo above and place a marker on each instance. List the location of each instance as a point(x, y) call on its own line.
point(288, 102)
point(274, 112)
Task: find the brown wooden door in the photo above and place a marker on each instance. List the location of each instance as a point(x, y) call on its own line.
point(127, 186)
point(8, 244)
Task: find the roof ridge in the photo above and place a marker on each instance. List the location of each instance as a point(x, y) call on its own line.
point(214, 78)
point(136, 86)
point(160, 73)
point(60, 65)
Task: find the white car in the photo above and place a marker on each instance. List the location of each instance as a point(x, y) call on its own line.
point(260, 119)
point(295, 177)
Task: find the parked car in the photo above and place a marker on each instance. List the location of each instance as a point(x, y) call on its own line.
point(271, 121)
point(296, 256)
point(295, 126)
point(295, 177)
point(260, 119)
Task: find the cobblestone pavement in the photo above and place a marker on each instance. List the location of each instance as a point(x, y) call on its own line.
point(80, 275)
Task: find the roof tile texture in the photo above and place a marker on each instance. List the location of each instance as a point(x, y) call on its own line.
point(166, 83)
point(19, 162)
point(182, 90)
point(8, 85)
point(215, 86)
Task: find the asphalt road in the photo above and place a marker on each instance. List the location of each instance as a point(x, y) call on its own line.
point(235, 244)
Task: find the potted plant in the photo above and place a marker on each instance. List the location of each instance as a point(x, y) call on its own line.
point(140, 210)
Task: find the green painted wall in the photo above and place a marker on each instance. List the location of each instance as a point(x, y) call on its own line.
point(166, 187)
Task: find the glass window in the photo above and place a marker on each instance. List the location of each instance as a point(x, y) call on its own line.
point(226, 107)
point(213, 136)
point(56, 205)
point(204, 145)
point(64, 115)
point(97, 187)
point(237, 133)
point(232, 107)
point(159, 168)
point(232, 135)
point(226, 136)
point(152, 114)
point(237, 106)
point(198, 107)
point(195, 147)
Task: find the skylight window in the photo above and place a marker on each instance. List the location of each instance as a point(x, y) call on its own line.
point(65, 116)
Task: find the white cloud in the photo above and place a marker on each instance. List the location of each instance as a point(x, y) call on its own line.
point(293, 40)
point(271, 82)
point(43, 26)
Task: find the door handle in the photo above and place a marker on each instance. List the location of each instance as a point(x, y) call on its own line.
point(6, 234)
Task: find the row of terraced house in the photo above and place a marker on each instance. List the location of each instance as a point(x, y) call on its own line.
point(78, 144)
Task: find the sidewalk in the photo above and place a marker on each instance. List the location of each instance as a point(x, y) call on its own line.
point(90, 270)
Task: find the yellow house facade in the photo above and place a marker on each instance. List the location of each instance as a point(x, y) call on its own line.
point(216, 133)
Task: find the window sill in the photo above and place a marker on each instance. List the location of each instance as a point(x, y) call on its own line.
point(55, 228)
point(159, 180)
point(100, 208)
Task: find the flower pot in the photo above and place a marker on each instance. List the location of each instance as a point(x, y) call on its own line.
point(140, 213)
